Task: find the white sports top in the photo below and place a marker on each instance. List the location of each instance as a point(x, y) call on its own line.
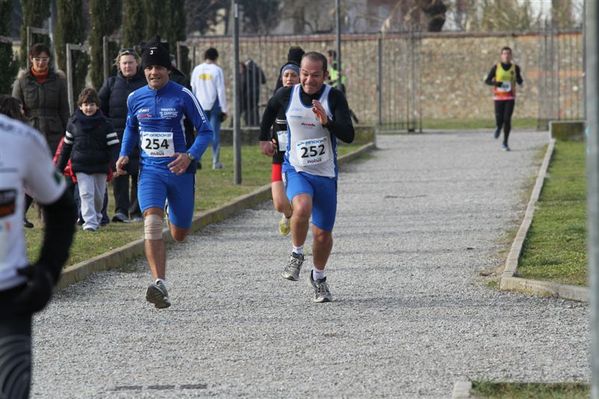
point(310, 147)
point(25, 167)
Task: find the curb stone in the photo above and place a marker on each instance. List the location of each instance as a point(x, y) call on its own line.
point(461, 390)
point(509, 280)
point(115, 258)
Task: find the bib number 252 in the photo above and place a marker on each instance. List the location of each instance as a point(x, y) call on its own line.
point(312, 151)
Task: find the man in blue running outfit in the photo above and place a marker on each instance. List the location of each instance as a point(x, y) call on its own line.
point(167, 167)
point(317, 115)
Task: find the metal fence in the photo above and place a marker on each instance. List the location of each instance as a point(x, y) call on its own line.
point(561, 85)
point(400, 81)
point(262, 57)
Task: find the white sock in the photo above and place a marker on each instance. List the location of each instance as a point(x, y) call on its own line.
point(317, 274)
point(298, 250)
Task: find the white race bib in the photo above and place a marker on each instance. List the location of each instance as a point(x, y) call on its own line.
point(282, 138)
point(313, 151)
point(505, 87)
point(158, 144)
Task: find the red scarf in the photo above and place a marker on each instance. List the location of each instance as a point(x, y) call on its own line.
point(40, 77)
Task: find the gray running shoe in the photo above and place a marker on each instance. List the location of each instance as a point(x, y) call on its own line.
point(158, 295)
point(292, 270)
point(321, 290)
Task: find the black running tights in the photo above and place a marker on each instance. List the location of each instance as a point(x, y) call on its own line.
point(503, 117)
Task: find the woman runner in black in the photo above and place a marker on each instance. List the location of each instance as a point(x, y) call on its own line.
point(503, 77)
point(289, 77)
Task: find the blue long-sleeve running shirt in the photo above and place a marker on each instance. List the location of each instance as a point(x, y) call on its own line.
point(155, 123)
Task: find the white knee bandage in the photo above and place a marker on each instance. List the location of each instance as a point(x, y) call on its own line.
point(153, 227)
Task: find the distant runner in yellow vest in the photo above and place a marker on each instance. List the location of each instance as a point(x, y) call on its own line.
point(503, 77)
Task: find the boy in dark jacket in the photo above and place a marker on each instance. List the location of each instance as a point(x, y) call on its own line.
point(91, 144)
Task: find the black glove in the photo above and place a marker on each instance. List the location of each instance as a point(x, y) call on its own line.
point(37, 292)
point(222, 117)
point(498, 84)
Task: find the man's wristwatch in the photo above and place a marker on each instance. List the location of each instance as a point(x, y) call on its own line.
point(191, 157)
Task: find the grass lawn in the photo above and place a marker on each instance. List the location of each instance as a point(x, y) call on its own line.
point(214, 188)
point(555, 247)
point(497, 390)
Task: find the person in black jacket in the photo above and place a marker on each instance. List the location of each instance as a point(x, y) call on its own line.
point(113, 103)
point(91, 144)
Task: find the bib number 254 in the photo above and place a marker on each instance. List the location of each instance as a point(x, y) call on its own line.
point(155, 144)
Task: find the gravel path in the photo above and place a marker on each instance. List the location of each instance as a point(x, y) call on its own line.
point(416, 223)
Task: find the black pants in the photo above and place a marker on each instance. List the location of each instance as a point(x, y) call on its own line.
point(15, 350)
point(503, 117)
point(125, 194)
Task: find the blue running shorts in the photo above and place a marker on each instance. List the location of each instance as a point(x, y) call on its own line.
point(157, 184)
point(323, 191)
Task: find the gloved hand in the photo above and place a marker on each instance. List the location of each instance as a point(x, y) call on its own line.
point(38, 290)
point(498, 84)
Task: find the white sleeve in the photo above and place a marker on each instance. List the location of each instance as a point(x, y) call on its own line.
point(193, 82)
point(42, 180)
point(220, 89)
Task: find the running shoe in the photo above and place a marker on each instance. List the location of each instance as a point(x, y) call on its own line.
point(497, 133)
point(505, 147)
point(292, 270)
point(218, 165)
point(321, 290)
point(120, 217)
point(158, 295)
point(284, 227)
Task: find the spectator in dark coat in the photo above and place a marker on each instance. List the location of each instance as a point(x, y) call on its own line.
point(252, 79)
point(43, 94)
point(113, 103)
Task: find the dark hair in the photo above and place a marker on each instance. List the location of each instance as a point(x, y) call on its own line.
point(332, 53)
point(316, 56)
point(506, 48)
point(211, 54)
point(87, 96)
point(11, 107)
point(295, 54)
point(39, 48)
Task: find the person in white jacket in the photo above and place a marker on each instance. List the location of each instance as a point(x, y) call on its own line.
point(208, 85)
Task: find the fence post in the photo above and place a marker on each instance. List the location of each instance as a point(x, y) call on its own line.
point(105, 62)
point(338, 44)
point(179, 64)
point(28, 47)
point(379, 83)
point(236, 121)
point(592, 80)
point(70, 79)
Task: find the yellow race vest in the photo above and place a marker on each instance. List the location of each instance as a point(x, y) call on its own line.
point(507, 90)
